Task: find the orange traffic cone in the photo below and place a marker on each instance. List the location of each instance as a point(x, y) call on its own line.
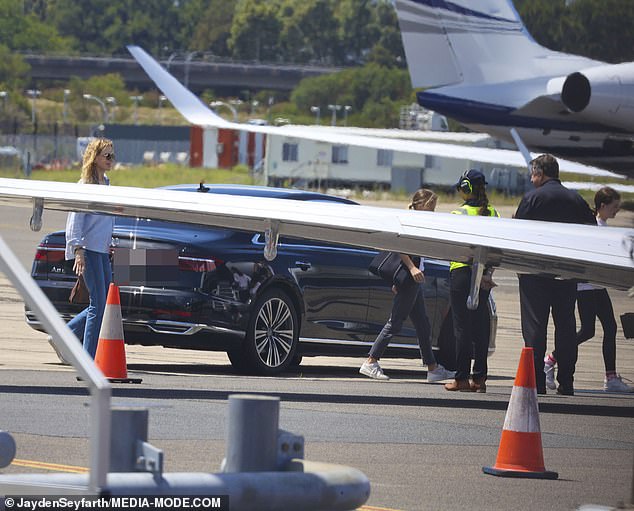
point(110, 357)
point(520, 453)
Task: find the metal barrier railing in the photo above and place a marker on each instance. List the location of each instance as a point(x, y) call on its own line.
point(66, 342)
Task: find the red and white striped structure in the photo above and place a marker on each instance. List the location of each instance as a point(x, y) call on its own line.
point(520, 453)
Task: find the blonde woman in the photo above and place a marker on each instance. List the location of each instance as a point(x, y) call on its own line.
point(409, 300)
point(88, 238)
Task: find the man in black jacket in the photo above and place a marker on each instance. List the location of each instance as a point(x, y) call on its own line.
point(550, 201)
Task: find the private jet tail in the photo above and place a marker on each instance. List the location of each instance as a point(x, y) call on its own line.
point(461, 42)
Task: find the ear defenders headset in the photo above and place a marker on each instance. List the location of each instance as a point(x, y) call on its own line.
point(464, 184)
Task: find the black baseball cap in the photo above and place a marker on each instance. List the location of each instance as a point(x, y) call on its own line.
point(474, 176)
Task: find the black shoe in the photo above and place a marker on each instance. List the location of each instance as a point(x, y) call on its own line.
point(563, 391)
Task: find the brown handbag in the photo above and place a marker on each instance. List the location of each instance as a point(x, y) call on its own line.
point(79, 294)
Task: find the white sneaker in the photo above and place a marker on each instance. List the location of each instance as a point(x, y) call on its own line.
point(440, 374)
point(62, 360)
point(549, 369)
point(373, 370)
point(616, 384)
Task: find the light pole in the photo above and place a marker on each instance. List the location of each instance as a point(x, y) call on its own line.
point(4, 94)
point(104, 110)
point(317, 111)
point(160, 104)
point(136, 100)
point(236, 104)
point(346, 109)
point(111, 100)
point(65, 111)
point(216, 104)
point(188, 59)
point(33, 94)
point(169, 60)
point(334, 109)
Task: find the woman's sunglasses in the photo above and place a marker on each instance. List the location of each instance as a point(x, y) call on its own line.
point(108, 156)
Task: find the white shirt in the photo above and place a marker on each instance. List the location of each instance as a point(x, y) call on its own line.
point(89, 231)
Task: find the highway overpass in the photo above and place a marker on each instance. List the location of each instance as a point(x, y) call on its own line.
point(200, 75)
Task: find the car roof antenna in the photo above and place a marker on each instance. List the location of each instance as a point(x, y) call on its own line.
point(202, 188)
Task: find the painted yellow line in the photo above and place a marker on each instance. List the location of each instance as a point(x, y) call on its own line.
point(49, 466)
point(82, 470)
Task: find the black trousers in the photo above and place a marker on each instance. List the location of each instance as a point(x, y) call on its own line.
point(539, 296)
point(593, 304)
point(470, 326)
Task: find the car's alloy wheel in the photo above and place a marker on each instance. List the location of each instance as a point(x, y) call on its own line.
point(273, 332)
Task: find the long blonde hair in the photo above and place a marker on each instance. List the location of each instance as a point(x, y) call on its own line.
point(88, 168)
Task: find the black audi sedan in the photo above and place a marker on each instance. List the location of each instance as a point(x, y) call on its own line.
point(197, 287)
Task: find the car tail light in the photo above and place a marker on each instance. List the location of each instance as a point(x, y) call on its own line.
point(197, 264)
point(50, 253)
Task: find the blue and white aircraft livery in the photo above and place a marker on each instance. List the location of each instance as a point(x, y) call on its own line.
point(480, 66)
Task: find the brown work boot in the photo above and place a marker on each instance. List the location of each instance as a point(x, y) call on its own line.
point(479, 385)
point(459, 385)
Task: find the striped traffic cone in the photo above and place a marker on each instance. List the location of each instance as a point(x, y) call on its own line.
point(520, 453)
point(110, 357)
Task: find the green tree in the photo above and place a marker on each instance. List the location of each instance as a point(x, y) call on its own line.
point(107, 26)
point(110, 84)
point(255, 30)
point(78, 21)
point(27, 32)
point(209, 26)
point(383, 114)
point(319, 29)
point(13, 70)
point(388, 49)
point(292, 43)
point(357, 30)
point(370, 90)
point(599, 29)
point(152, 24)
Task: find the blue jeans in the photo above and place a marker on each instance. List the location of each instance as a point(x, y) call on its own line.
point(409, 301)
point(87, 324)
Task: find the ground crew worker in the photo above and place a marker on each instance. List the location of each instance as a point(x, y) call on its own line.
point(470, 326)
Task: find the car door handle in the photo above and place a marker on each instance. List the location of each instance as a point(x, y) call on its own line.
point(303, 265)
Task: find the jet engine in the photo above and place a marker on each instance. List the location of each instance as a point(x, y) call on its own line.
point(602, 94)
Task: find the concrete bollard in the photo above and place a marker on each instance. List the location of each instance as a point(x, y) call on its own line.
point(7, 449)
point(252, 433)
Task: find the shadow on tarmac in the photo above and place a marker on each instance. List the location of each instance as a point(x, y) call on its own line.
point(450, 401)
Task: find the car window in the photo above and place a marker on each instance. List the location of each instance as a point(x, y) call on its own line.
point(299, 243)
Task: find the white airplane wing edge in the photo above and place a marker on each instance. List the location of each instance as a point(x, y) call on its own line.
point(198, 113)
point(600, 255)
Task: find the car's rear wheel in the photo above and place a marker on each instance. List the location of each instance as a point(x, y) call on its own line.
point(272, 333)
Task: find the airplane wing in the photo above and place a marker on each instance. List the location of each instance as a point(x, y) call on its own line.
point(196, 112)
point(592, 253)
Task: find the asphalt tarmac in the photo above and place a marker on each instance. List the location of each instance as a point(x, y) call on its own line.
point(421, 447)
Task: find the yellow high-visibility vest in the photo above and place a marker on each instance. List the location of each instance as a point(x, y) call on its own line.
point(466, 209)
